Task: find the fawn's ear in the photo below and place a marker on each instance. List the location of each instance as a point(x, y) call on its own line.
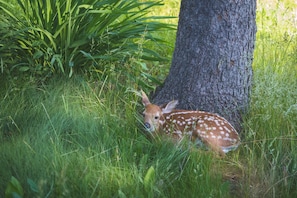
point(170, 106)
point(145, 100)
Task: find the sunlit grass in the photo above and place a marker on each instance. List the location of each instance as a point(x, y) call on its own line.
point(270, 140)
point(73, 139)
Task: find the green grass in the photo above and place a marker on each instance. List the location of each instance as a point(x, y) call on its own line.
point(269, 151)
point(73, 139)
point(79, 138)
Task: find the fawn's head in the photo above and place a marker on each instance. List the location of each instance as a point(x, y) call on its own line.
point(153, 114)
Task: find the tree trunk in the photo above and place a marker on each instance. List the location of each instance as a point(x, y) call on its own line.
point(211, 68)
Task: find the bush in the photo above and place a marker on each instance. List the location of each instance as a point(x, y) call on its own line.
point(41, 38)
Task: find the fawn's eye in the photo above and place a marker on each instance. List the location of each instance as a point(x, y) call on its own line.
point(156, 117)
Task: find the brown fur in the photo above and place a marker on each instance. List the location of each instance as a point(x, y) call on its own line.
point(211, 129)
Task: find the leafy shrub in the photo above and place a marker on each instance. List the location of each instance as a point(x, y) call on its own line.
point(41, 38)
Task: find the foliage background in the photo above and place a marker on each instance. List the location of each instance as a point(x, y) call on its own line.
point(46, 38)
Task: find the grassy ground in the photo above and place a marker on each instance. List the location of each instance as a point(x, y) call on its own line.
point(270, 138)
point(78, 139)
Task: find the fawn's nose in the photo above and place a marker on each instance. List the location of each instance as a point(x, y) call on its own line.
point(147, 125)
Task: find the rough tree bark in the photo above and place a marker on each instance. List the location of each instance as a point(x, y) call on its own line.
point(211, 68)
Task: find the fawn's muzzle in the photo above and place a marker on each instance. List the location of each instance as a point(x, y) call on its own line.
point(147, 125)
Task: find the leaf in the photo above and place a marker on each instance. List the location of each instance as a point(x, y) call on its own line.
point(33, 185)
point(121, 194)
point(142, 64)
point(87, 55)
point(151, 78)
point(149, 179)
point(14, 189)
point(24, 69)
point(70, 73)
point(37, 54)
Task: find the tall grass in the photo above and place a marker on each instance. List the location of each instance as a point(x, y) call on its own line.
point(73, 139)
point(82, 138)
point(271, 125)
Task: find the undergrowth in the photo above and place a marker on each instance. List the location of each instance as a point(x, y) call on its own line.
point(77, 139)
